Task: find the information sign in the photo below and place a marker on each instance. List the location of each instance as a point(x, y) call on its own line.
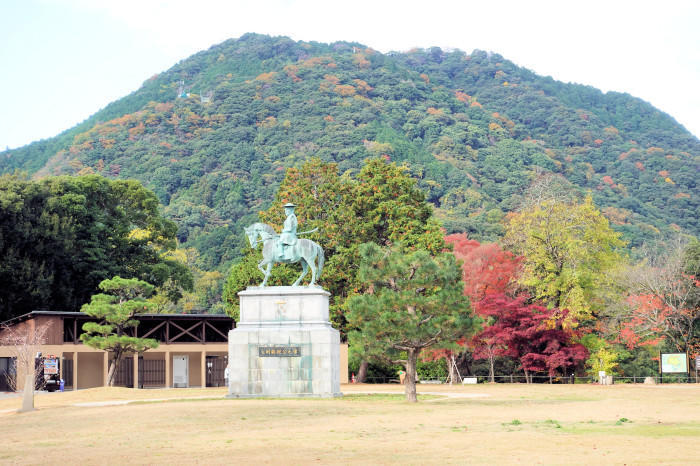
point(674, 363)
point(50, 366)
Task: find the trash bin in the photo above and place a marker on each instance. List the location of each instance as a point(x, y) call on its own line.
point(61, 385)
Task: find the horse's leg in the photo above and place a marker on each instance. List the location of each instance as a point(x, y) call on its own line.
point(267, 273)
point(312, 265)
point(304, 271)
point(262, 270)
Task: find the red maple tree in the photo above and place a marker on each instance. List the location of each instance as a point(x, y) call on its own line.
point(486, 269)
point(531, 334)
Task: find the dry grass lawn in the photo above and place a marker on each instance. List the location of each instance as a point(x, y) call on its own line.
point(549, 424)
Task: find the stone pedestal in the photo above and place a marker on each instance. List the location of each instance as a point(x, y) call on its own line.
point(284, 344)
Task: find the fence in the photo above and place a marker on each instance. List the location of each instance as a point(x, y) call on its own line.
point(691, 378)
point(216, 371)
point(124, 377)
point(68, 372)
point(151, 373)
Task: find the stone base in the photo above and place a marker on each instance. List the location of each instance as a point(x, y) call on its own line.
point(288, 395)
point(284, 345)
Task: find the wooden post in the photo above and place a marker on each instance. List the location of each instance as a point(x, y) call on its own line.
point(204, 368)
point(61, 373)
point(136, 370)
point(75, 370)
point(168, 383)
point(105, 367)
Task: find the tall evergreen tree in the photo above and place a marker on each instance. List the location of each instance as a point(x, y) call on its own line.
point(416, 302)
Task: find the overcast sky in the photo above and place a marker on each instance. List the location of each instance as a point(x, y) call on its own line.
point(64, 60)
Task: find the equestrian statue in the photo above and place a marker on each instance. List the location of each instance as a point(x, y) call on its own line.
point(286, 248)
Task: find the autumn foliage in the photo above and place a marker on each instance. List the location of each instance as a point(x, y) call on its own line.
point(664, 300)
point(486, 267)
point(532, 334)
point(540, 339)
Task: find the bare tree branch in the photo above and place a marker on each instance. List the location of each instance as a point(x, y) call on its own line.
point(25, 341)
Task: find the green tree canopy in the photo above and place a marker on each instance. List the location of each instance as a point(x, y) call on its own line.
point(116, 309)
point(416, 302)
point(383, 204)
point(569, 250)
point(61, 236)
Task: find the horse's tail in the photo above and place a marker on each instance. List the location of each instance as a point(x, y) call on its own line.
point(321, 260)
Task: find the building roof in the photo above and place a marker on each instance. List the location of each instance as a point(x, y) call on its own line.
point(33, 314)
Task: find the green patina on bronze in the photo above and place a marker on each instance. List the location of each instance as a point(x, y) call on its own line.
point(286, 248)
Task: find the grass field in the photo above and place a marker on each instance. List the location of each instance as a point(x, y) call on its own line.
point(496, 424)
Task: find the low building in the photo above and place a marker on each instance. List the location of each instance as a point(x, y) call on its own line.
point(193, 350)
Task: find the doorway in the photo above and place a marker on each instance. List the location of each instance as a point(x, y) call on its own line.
point(8, 374)
point(181, 373)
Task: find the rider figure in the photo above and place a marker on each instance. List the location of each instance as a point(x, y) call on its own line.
point(288, 238)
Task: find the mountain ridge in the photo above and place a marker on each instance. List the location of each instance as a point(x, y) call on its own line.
point(474, 129)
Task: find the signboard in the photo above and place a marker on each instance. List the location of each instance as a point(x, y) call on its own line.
point(50, 366)
point(674, 363)
point(279, 351)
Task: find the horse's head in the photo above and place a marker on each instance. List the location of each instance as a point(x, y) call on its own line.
point(252, 234)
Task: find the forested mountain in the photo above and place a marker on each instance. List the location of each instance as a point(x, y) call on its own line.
point(212, 137)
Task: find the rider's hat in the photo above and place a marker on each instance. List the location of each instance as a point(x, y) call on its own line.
point(289, 204)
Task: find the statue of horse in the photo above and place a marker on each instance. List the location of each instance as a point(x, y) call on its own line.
point(309, 253)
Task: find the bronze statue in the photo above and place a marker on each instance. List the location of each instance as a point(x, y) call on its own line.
point(288, 237)
point(286, 248)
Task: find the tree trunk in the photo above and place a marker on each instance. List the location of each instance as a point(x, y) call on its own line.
point(112, 370)
point(492, 375)
point(451, 366)
point(464, 362)
point(362, 372)
point(527, 376)
point(410, 382)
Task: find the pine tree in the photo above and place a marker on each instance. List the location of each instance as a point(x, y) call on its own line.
point(415, 302)
point(122, 300)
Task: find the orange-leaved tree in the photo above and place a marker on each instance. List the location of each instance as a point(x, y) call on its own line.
point(486, 269)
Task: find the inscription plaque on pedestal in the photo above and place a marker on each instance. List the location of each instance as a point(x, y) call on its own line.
point(276, 351)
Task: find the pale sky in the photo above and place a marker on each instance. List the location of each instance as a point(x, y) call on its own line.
point(62, 61)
